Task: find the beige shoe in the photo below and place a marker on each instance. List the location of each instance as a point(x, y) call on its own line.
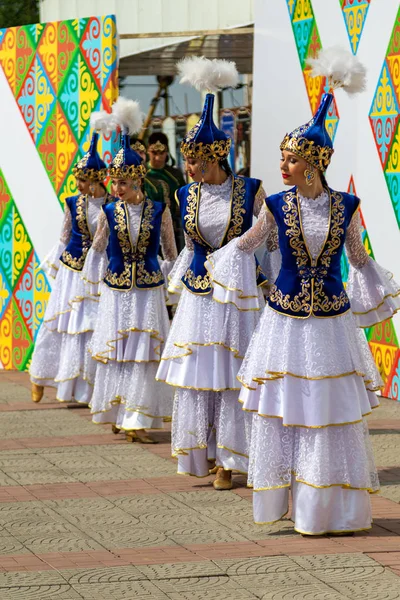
point(37, 392)
point(140, 436)
point(213, 468)
point(223, 480)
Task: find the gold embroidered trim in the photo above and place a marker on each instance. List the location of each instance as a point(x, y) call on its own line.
point(201, 282)
point(318, 156)
point(92, 174)
point(124, 334)
point(280, 375)
point(238, 210)
point(143, 277)
point(138, 147)
point(158, 147)
point(312, 296)
point(216, 151)
point(76, 264)
point(345, 486)
point(116, 171)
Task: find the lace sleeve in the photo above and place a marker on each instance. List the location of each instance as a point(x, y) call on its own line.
point(67, 226)
point(356, 252)
point(101, 236)
point(188, 243)
point(259, 201)
point(259, 233)
point(168, 243)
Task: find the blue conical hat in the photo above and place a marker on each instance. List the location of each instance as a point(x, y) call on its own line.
point(205, 140)
point(312, 140)
point(91, 166)
point(127, 163)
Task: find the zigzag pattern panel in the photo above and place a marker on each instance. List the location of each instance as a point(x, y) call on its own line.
point(384, 117)
point(58, 74)
point(382, 338)
point(354, 13)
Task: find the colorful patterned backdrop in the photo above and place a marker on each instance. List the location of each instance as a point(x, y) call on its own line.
point(384, 117)
point(58, 73)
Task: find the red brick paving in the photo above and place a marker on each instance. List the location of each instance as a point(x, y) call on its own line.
point(382, 543)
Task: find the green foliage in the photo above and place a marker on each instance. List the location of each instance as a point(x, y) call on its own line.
point(18, 12)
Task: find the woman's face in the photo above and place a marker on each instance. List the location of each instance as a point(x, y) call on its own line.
point(123, 188)
point(292, 168)
point(82, 185)
point(194, 168)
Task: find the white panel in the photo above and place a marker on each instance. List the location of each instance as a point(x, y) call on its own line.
point(145, 16)
point(280, 103)
point(280, 100)
point(33, 193)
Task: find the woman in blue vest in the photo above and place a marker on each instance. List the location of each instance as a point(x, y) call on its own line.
point(308, 375)
point(132, 323)
point(208, 339)
point(60, 356)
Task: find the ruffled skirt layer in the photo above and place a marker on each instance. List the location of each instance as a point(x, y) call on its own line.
point(309, 388)
point(209, 426)
point(127, 345)
point(202, 358)
point(60, 357)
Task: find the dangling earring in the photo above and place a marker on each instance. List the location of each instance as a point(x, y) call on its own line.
point(309, 174)
point(136, 188)
point(203, 170)
point(92, 189)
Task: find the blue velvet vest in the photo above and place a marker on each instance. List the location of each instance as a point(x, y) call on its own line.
point(244, 191)
point(78, 246)
point(134, 265)
point(305, 286)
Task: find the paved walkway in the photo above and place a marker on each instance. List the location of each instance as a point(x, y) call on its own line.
point(84, 515)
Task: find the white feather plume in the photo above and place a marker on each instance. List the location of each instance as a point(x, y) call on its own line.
point(342, 69)
point(127, 115)
point(100, 121)
point(205, 74)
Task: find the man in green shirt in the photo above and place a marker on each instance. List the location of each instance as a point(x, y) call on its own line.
point(169, 177)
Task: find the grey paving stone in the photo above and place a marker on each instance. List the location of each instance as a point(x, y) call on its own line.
point(40, 592)
point(194, 499)
point(102, 575)
point(198, 584)
point(58, 542)
point(137, 590)
point(383, 587)
point(220, 594)
point(10, 545)
point(351, 574)
point(47, 476)
point(258, 566)
point(311, 592)
point(391, 491)
point(334, 561)
point(30, 578)
point(259, 584)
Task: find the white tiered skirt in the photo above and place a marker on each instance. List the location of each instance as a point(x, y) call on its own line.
point(201, 359)
point(309, 383)
point(60, 358)
point(126, 347)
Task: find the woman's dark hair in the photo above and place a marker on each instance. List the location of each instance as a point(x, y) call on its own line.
point(159, 136)
point(103, 186)
point(225, 166)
